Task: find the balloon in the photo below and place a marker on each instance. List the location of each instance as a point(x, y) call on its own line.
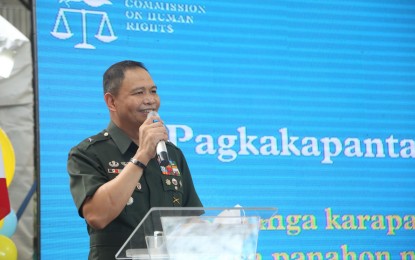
point(8, 250)
point(9, 225)
point(8, 157)
point(1, 223)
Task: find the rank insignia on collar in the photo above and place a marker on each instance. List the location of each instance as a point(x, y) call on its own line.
point(113, 164)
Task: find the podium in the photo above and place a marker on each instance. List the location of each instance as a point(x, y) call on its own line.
point(196, 233)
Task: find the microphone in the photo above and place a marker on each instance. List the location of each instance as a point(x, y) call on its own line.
point(161, 149)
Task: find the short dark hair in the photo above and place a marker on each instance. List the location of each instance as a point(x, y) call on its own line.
point(114, 75)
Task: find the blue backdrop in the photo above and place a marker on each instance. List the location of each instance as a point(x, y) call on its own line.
point(307, 106)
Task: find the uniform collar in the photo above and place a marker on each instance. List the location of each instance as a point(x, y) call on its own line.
point(121, 139)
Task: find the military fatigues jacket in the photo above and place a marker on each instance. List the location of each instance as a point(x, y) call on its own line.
point(101, 158)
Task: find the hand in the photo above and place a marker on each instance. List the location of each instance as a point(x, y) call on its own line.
point(150, 133)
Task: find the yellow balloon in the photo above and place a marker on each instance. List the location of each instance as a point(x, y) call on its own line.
point(8, 156)
point(8, 250)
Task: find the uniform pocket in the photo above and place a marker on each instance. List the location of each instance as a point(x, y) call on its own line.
point(173, 187)
point(172, 183)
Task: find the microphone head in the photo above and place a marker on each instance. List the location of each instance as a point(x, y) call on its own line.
point(152, 113)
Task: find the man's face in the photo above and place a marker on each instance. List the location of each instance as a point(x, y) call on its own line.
point(136, 97)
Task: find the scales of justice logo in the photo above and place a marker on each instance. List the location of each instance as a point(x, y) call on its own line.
point(64, 32)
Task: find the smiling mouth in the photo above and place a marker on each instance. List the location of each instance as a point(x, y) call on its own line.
point(146, 111)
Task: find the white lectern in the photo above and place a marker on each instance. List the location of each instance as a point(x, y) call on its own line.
point(196, 233)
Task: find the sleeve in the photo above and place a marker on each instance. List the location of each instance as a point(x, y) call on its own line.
point(86, 175)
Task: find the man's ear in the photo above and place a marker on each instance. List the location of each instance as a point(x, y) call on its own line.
point(110, 101)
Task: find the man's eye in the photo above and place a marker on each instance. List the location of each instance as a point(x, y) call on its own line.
point(138, 93)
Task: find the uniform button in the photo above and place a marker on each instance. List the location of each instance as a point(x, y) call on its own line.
point(130, 201)
point(105, 134)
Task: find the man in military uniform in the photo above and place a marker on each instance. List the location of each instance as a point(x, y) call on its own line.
point(114, 176)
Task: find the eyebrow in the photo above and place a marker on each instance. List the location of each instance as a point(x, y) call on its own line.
point(143, 88)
